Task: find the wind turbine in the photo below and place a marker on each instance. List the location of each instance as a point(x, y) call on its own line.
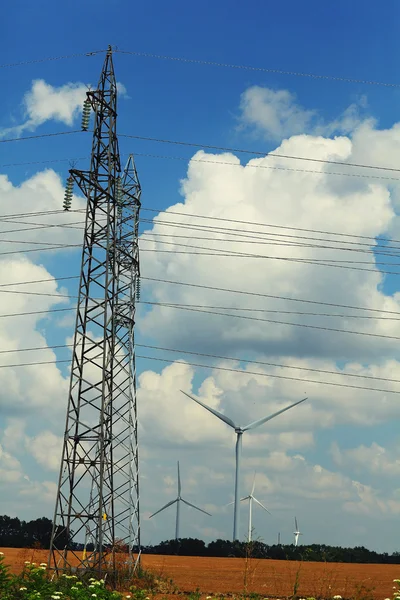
point(178, 500)
point(250, 498)
point(239, 433)
point(296, 533)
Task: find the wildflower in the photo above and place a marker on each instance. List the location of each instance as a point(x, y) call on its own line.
point(1, 553)
point(94, 595)
point(92, 579)
point(127, 596)
point(91, 586)
point(22, 589)
point(27, 562)
point(43, 564)
point(55, 597)
point(337, 597)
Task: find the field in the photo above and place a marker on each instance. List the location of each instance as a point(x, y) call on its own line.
point(270, 578)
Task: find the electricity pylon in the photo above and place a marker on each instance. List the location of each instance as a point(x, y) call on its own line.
point(97, 504)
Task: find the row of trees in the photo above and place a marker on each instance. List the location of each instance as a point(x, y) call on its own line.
point(22, 534)
point(256, 549)
point(25, 534)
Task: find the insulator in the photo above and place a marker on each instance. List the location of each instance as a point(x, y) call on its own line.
point(69, 190)
point(138, 288)
point(87, 107)
point(118, 191)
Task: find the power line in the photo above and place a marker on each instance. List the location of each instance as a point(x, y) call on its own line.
point(219, 368)
point(219, 357)
point(303, 325)
point(50, 58)
point(270, 225)
point(38, 136)
point(216, 368)
point(253, 68)
point(261, 295)
point(238, 255)
point(258, 153)
point(342, 385)
point(206, 306)
point(212, 162)
point(267, 310)
point(268, 364)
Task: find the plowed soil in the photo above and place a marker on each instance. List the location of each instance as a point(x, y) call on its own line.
point(271, 578)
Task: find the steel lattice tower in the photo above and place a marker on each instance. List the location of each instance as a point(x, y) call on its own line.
point(98, 491)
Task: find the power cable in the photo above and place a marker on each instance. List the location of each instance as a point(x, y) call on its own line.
point(50, 58)
point(261, 295)
point(270, 225)
point(233, 255)
point(213, 162)
point(267, 310)
point(253, 68)
point(225, 369)
point(219, 357)
point(258, 153)
point(39, 136)
point(303, 325)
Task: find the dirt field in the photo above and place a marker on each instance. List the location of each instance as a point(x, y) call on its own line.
point(271, 578)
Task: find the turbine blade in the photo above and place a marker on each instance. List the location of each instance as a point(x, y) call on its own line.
point(166, 506)
point(196, 507)
point(212, 410)
point(179, 481)
point(265, 419)
point(245, 498)
point(262, 505)
point(295, 524)
point(254, 484)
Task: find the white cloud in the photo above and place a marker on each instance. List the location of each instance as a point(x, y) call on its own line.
point(277, 115)
point(46, 449)
point(45, 102)
point(373, 459)
point(274, 111)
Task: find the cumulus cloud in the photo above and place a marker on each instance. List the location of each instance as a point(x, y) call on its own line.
point(274, 111)
point(46, 449)
point(276, 114)
point(45, 102)
point(374, 459)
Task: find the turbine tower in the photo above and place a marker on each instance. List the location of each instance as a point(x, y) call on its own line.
point(296, 532)
point(98, 491)
point(178, 501)
point(239, 433)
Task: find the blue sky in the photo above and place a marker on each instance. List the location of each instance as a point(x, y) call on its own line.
point(354, 445)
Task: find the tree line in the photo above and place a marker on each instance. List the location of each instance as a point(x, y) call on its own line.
point(257, 549)
point(15, 533)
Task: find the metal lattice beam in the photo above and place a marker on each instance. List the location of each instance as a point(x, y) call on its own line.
point(98, 492)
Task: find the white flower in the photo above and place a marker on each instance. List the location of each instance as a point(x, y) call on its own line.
point(28, 562)
point(22, 589)
point(337, 597)
point(43, 564)
point(74, 588)
point(1, 553)
point(94, 595)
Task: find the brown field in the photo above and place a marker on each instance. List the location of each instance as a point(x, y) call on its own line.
point(271, 578)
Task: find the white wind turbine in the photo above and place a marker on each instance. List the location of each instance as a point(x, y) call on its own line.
point(296, 532)
point(250, 498)
point(239, 433)
point(178, 500)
